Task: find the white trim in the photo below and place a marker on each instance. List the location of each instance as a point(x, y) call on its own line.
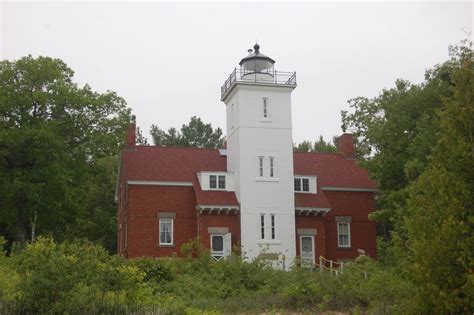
point(158, 183)
point(314, 211)
point(360, 189)
point(348, 233)
point(218, 209)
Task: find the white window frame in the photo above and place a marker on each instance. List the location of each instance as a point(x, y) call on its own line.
point(312, 184)
point(262, 226)
point(348, 245)
point(218, 186)
point(162, 221)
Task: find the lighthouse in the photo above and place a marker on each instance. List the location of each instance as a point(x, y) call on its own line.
point(260, 155)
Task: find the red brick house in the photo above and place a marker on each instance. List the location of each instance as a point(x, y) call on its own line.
point(161, 183)
point(256, 193)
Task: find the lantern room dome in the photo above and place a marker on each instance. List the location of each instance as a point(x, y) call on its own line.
point(256, 61)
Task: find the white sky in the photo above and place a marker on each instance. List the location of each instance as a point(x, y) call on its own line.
point(169, 60)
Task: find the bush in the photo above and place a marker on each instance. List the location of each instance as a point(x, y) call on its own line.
point(74, 277)
point(77, 278)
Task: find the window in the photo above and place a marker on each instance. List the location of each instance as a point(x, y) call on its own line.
point(217, 246)
point(212, 181)
point(216, 181)
point(262, 226)
point(260, 166)
point(297, 184)
point(271, 166)
point(302, 184)
point(265, 108)
point(221, 181)
point(343, 234)
point(273, 226)
point(305, 184)
point(166, 231)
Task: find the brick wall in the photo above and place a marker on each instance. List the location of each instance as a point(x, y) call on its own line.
point(144, 203)
point(230, 221)
point(312, 222)
point(357, 205)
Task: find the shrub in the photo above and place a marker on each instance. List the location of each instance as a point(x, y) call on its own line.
point(77, 278)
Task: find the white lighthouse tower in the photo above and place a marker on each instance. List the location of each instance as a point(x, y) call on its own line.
point(260, 154)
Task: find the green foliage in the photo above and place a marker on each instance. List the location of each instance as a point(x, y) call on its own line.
point(194, 134)
point(440, 220)
point(75, 277)
point(55, 138)
point(417, 143)
point(396, 133)
point(141, 139)
point(318, 146)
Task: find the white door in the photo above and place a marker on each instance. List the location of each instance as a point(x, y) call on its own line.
point(307, 250)
point(221, 246)
point(227, 245)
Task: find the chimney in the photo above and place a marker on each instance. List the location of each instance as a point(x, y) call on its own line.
point(346, 146)
point(131, 134)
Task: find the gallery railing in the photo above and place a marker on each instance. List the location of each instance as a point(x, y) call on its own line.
point(265, 77)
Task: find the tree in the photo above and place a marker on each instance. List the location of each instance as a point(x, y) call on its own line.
point(141, 139)
point(440, 220)
point(396, 132)
point(319, 146)
point(195, 134)
point(53, 134)
point(325, 147)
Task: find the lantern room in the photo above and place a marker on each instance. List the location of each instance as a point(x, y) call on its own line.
point(257, 66)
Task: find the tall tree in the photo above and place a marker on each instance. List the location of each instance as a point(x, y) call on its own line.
point(52, 135)
point(194, 134)
point(395, 134)
point(440, 220)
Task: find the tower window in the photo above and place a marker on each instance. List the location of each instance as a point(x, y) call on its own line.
point(272, 173)
point(262, 226)
point(273, 226)
point(260, 166)
point(265, 108)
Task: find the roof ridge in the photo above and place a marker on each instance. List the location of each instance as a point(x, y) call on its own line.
point(328, 153)
point(175, 147)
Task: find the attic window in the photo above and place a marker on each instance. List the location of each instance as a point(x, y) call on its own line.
point(302, 184)
point(216, 181)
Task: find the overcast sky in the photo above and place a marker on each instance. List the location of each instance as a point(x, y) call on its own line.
point(169, 60)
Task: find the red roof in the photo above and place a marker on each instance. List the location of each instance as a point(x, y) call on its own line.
point(174, 164)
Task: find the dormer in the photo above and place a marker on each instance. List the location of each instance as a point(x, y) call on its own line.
point(216, 181)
